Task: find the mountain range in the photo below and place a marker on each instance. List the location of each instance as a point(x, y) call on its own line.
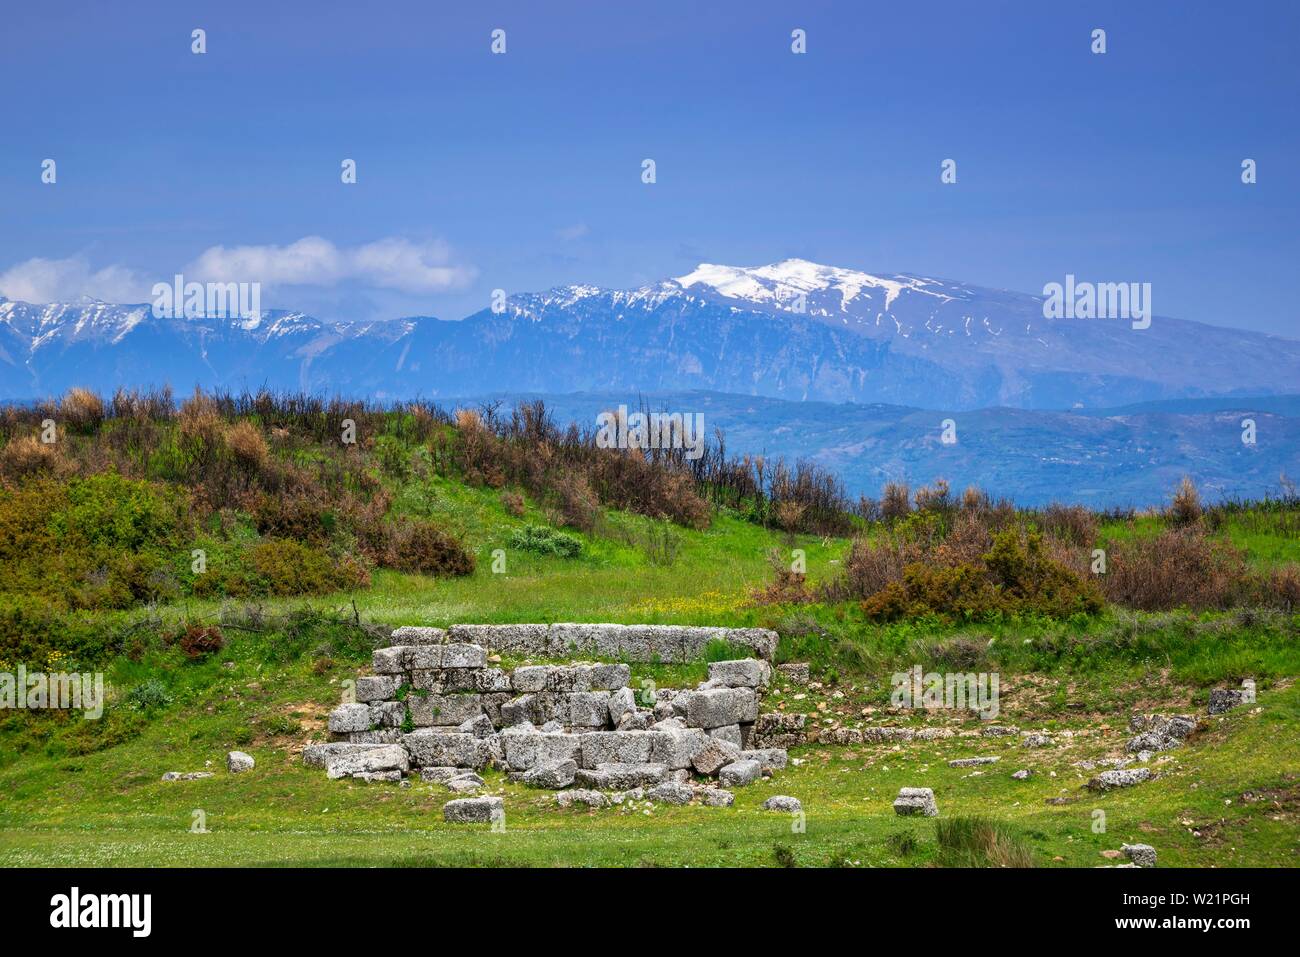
point(855, 371)
point(792, 330)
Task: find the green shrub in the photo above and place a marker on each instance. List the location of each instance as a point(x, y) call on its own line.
point(546, 541)
point(285, 567)
point(148, 695)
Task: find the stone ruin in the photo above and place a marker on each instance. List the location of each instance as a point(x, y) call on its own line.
point(435, 706)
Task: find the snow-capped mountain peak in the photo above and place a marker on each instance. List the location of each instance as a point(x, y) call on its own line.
point(779, 281)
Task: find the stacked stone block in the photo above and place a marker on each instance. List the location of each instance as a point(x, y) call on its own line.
point(437, 707)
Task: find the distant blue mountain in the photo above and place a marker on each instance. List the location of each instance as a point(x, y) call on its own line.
point(792, 330)
point(1102, 458)
point(793, 358)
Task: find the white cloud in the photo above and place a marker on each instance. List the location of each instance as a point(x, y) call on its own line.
point(570, 233)
point(65, 280)
point(312, 261)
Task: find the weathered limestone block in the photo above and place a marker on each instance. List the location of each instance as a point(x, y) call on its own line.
point(388, 661)
point(392, 757)
point(237, 762)
point(525, 639)
point(492, 705)
point(762, 640)
point(610, 677)
point(429, 748)
point(769, 759)
point(443, 710)
point(715, 797)
point(714, 755)
point(418, 635)
point(796, 672)
point(740, 673)
point(478, 810)
point(480, 726)
point(621, 702)
point(492, 680)
point(1143, 855)
point(565, 679)
point(387, 714)
point(623, 775)
point(670, 792)
point(552, 775)
point(588, 709)
point(315, 755)
point(718, 707)
point(526, 750)
point(737, 774)
point(883, 735)
point(912, 801)
point(430, 680)
point(676, 746)
point(583, 796)
point(601, 641)
point(782, 802)
point(379, 736)
point(527, 679)
point(350, 717)
point(615, 747)
point(463, 655)
point(971, 762)
point(370, 688)
point(421, 657)
point(1223, 700)
point(729, 733)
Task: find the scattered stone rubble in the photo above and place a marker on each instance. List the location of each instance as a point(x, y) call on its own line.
point(436, 707)
point(1159, 732)
point(1223, 700)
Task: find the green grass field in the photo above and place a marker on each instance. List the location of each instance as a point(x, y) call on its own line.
point(88, 793)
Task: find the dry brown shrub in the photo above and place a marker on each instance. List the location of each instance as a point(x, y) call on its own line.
point(1178, 568)
point(1069, 523)
point(895, 501)
point(974, 499)
point(870, 566)
point(967, 540)
point(247, 445)
point(789, 515)
point(27, 456)
point(933, 498)
point(200, 422)
point(579, 507)
point(1280, 588)
point(1186, 508)
point(82, 410)
point(513, 503)
point(787, 587)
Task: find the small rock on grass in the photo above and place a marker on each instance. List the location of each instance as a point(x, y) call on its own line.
point(477, 810)
point(783, 802)
point(1143, 855)
point(970, 762)
point(1119, 778)
point(1021, 775)
point(916, 801)
point(237, 762)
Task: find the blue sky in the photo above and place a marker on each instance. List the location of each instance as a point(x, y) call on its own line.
point(522, 171)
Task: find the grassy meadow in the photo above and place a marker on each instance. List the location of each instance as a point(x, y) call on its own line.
point(229, 562)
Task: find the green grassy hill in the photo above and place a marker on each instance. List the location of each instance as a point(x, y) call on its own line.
point(313, 550)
